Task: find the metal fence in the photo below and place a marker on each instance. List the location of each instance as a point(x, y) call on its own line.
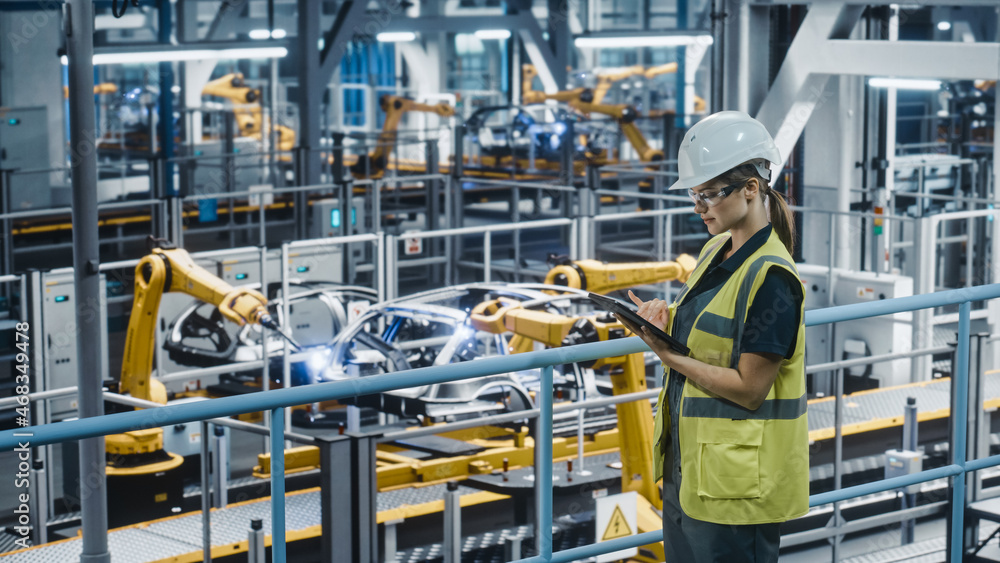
point(276, 402)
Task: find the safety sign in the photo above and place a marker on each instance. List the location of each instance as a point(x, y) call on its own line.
point(616, 518)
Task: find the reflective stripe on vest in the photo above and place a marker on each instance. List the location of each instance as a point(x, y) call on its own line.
point(771, 409)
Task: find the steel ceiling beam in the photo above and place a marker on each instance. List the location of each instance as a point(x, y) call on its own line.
point(524, 24)
point(797, 89)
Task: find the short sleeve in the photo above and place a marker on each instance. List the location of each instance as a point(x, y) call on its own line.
point(772, 324)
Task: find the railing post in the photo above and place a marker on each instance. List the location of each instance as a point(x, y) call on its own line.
point(910, 429)
point(255, 542)
point(389, 540)
point(206, 495)
point(352, 536)
point(567, 145)
point(957, 539)
point(458, 142)
point(39, 502)
point(220, 460)
point(335, 463)
point(925, 235)
point(487, 252)
point(452, 543)
point(278, 485)
point(543, 466)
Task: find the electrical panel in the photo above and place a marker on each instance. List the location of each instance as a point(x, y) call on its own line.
point(24, 146)
point(864, 337)
point(904, 462)
point(59, 308)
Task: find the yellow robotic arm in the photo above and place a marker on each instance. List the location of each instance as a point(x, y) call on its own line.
point(601, 277)
point(628, 375)
point(607, 79)
point(531, 96)
point(102, 88)
point(169, 269)
point(394, 107)
point(654, 71)
point(247, 109)
point(625, 115)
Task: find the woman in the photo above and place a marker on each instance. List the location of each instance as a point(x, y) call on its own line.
point(731, 428)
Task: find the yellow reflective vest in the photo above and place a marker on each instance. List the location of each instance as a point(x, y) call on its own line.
point(739, 466)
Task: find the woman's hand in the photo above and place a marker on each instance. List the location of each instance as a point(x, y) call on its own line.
point(655, 311)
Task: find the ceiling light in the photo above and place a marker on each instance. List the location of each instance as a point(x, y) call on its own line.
point(621, 41)
point(493, 34)
point(944, 26)
point(396, 36)
point(905, 83)
point(186, 55)
point(265, 34)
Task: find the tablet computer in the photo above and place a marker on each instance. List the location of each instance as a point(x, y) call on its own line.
point(625, 311)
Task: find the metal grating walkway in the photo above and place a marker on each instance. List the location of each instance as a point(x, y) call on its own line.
point(879, 407)
point(182, 535)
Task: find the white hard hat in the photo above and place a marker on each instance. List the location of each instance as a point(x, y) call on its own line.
point(719, 143)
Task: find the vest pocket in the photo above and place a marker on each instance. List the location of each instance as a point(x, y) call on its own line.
point(729, 464)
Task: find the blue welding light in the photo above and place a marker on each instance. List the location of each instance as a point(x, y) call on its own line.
point(354, 216)
point(241, 276)
point(13, 121)
point(302, 269)
point(61, 298)
point(334, 218)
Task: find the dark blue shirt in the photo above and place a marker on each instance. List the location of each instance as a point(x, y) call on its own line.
point(772, 323)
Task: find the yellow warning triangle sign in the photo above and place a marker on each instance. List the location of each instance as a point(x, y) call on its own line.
point(617, 527)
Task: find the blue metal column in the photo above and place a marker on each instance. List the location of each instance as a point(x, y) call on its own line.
point(166, 111)
point(961, 388)
point(278, 485)
point(543, 461)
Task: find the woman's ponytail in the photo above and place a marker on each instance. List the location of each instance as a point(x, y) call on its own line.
point(781, 219)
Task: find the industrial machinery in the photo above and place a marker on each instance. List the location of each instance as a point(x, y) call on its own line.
point(374, 163)
point(889, 334)
point(601, 277)
point(431, 328)
point(628, 375)
point(143, 478)
point(247, 110)
point(587, 102)
point(318, 312)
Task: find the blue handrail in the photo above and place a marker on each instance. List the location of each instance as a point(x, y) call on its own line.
point(275, 401)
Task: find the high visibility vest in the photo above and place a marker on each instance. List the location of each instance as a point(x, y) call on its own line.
point(739, 466)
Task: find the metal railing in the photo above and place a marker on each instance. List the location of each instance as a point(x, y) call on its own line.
point(278, 400)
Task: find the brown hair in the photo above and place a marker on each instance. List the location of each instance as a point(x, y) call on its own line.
point(781, 216)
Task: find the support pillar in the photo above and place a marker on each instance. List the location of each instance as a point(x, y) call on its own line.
point(310, 101)
point(86, 277)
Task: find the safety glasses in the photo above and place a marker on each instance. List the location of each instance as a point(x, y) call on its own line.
point(713, 198)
